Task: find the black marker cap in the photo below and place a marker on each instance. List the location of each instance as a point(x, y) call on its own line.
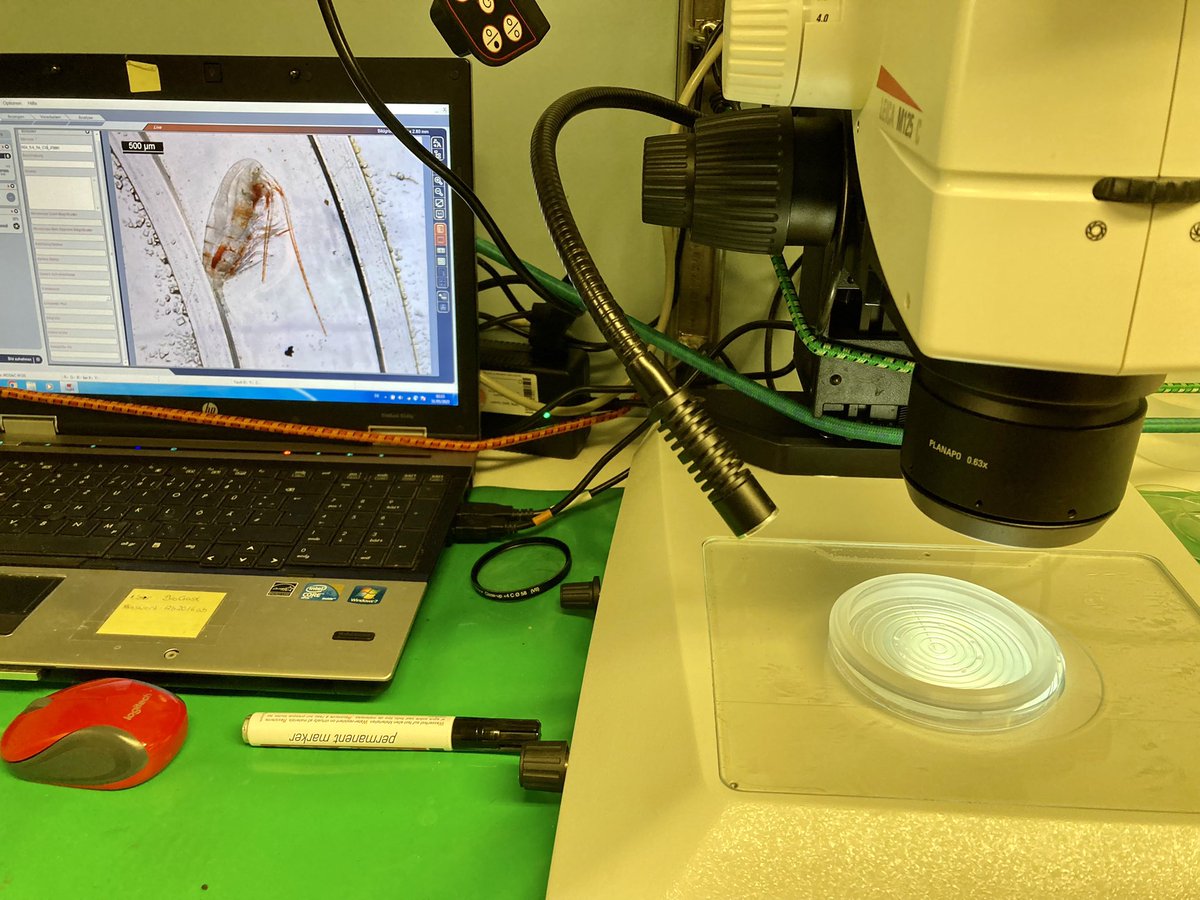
point(470, 733)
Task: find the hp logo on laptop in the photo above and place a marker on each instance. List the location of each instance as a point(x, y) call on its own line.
point(210, 408)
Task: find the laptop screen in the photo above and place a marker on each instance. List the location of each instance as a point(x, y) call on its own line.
point(230, 249)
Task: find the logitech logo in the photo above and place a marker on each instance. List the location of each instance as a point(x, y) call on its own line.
point(137, 708)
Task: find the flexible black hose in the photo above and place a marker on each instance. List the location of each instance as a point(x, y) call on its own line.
point(735, 493)
point(647, 373)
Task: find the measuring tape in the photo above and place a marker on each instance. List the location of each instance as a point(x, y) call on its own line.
point(319, 432)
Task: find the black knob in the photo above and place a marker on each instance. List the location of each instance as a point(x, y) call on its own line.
point(754, 181)
point(580, 594)
point(543, 765)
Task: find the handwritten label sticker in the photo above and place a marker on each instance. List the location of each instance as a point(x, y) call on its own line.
point(155, 613)
point(143, 77)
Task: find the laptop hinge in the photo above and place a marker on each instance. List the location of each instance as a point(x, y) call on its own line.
point(406, 430)
point(29, 429)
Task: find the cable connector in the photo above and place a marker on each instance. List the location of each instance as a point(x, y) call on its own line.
point(477, 523)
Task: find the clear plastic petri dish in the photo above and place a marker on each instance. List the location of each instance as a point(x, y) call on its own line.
point(945, 653)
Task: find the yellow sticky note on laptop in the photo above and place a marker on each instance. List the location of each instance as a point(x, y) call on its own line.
point(143, 76)
point(155, 613)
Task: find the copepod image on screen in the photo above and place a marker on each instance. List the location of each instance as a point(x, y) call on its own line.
point(250, 208)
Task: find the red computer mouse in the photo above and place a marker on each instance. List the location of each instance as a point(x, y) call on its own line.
point(105, 735)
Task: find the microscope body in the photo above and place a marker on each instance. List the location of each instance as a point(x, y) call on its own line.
point(1018, 201)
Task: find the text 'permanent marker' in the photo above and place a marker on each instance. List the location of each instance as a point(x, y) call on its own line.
point(379, 732)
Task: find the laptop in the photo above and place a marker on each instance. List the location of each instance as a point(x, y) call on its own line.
point(237, 236)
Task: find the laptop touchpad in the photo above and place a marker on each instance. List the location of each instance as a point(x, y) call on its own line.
point(20, 595)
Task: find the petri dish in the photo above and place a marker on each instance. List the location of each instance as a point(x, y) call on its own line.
point(945, 652)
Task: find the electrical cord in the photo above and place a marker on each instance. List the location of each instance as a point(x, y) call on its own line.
point(478, 522)
point(505, 322)
point(716, 34)
point(371, 97)
point(826, 348)
point(577, 493)
point(612, 482)
point(580, 493)
point(489, 284)
point(501, 282)
point(774, 373)
point(556, 410)
point(768, 325)
point(862, 431)
point(299, 430)
point(851, 354)
point(729, 485)
point(773, 313)
point(488, 319)
point(543, 412)
point(491, 321)
point(852, 430)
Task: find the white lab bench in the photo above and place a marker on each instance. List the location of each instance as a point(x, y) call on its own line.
point(646, 812)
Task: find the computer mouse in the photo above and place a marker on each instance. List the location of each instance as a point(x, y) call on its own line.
point(107, 734)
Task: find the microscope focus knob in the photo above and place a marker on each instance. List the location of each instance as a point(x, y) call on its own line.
point(754, 181)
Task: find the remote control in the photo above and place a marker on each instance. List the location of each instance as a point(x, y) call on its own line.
point(493, 31)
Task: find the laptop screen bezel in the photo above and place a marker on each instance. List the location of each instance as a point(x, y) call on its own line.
point(280, 79)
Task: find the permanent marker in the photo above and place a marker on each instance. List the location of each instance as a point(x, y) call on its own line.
point(380, 732)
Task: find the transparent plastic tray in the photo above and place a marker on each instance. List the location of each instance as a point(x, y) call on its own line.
point(1124, 734)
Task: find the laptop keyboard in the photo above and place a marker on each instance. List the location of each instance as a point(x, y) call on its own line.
point(273, 516)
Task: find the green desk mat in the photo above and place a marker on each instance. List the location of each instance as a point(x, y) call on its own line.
point(228, 820)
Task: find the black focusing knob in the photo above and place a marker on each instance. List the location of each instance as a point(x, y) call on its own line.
point(754, 181)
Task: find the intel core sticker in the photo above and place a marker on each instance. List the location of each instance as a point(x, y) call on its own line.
point(283, 589)
point(367, 593)
point(319, 590)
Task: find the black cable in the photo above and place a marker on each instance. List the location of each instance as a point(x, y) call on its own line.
point(728, 484)
point(537, 418)
point(773, 374)
point(676, 281)
point(588, 346)
point(490, 321)
point(489, 284)
point(612, 482)
point(648, 374)
point(641, 428)
point(632, 435)
point(773, 313)
point(716, 66)
point(500, 283)
point(460, 187)
point(497, 280)
point(611, 454)
point(717, 350)
point(755, 325)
